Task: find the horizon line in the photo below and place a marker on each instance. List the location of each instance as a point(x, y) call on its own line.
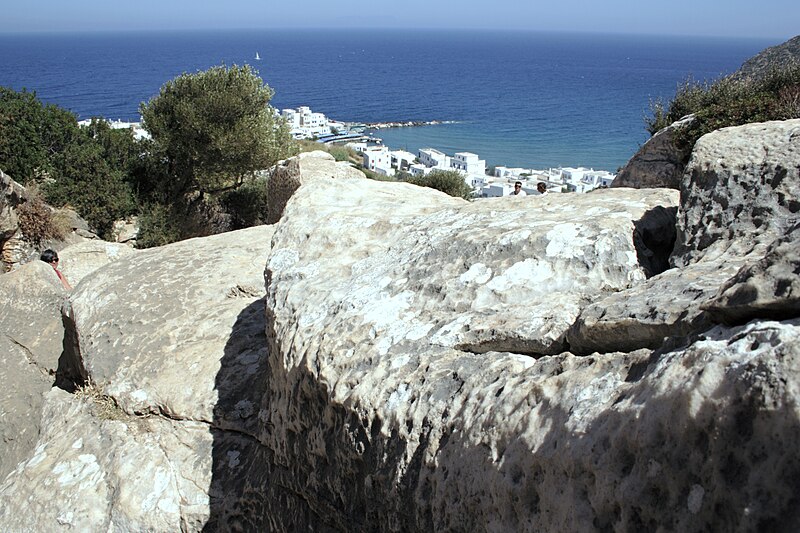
point(484, 30)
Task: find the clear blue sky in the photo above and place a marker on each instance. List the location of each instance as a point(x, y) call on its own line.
point(775, 19)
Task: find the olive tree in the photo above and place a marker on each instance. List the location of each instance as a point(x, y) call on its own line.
point(214, 129)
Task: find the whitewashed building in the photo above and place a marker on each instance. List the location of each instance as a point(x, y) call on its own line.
point(468, 163)
point(402, 160)
point(305, 124)
point(433, 158)
point(378, 159)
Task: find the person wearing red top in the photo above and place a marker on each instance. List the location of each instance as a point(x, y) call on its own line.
point(51, 258)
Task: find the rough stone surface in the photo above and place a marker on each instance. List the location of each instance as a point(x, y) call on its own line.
point(659, 163)
point(163, 318)
point(31, 337)
point(97, 469)
point(11, 194)
point(502, 274)
point(667, 305)
point(740, 191)
point(289, 175)
point(365, 402)
point(767, 288)
point(79, 260)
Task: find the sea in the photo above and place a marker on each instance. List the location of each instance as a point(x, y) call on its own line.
point(521, 99)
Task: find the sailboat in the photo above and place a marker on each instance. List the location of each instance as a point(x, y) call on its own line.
point(258, 57)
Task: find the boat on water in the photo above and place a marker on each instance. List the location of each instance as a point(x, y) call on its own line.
point(258, 57)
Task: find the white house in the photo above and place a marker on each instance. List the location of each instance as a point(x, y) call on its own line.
point(433, 158)
point(585, 179)
point(139, 132)
point(378, 159)
point(469, 163)
point(305, 124)
point(402, 160)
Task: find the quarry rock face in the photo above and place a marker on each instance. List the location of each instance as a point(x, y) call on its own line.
point(739, 210)
point(31, 338)
point(409, 361)
point(740, 191)
point(290, 174)
point(658, 163)
point(79, 260)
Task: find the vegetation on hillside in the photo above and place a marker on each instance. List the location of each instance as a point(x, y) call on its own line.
point(212, 133)
point(448, 181)
point(731, 101)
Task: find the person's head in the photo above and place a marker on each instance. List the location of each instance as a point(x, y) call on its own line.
point(517, 187)
point(49, 256)
point(541, 187)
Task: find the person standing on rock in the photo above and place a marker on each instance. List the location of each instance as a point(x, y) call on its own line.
point(51, 258)
point(518, 189)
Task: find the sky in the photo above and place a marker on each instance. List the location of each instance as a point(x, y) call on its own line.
point(773, 19)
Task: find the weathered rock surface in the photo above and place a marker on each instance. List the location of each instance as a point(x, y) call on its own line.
point(658, 163)
point(387, 389)
point(31, 336)
point(667, 305)
point(79, 260)
point(11, 194)
point(289, 175)
point(176, 354)
point(97, 469)
point(740, 192)
point(153, 330)
point(767, 288)
point(507, 275)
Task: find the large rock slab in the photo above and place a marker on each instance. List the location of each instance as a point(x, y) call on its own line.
point(307, 167)
point(659, 162)
point(505, 274)
point(97, 469)
point(31, 339)
point(155, 330)
point(671, 304)
point(740, 191)
point(767, 288)
point(80, 260)
point(739, 194)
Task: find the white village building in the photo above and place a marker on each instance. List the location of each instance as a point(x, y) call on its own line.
point(378, 159)
point(305, 124)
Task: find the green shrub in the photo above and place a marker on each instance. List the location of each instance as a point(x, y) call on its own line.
point(86, 182)
point(247, 206)
point(158, 226)
point(38, 222)
point(32, 133)
point(729, 102)
point(448, 181)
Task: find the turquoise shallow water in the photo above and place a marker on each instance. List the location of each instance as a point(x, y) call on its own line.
point(521, 99)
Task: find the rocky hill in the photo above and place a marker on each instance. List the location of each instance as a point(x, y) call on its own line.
point(388, 358)
point(775, 57)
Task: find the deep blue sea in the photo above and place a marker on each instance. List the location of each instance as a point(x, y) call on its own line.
point(520, 99)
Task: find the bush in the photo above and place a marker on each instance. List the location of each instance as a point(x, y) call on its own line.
point(215, 129)
point(32, 133)
point(448, 181)
point(38, 222)
point(247, 206)
point(157, 226)
point(729, 102)
point(85, 181)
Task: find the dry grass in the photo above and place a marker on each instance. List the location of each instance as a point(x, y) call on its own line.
point(104, 406)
